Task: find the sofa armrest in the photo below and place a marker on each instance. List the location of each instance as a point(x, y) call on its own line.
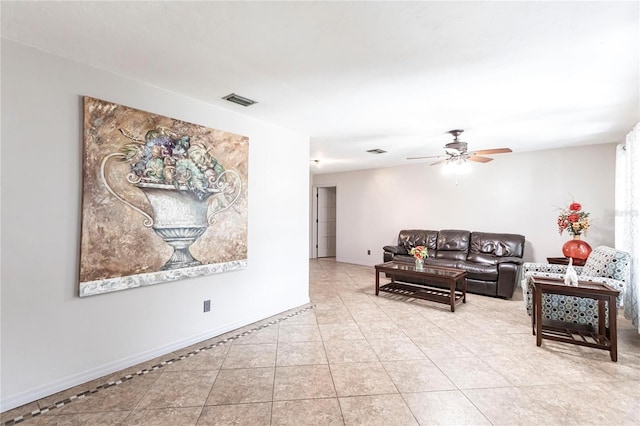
point(548, 268)
point(509, 259)
point(508, 273)
point(395, 249)
point(390, 252)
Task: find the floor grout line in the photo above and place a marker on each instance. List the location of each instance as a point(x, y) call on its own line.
point(144, 371)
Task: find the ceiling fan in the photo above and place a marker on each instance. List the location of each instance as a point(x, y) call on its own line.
point(456, 151)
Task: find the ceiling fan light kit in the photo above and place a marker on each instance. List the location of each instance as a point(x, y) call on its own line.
point(457, 167)
point(457, 155)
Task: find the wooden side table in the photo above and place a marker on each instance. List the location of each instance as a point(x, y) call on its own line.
point(602, 338)
point(565, 261)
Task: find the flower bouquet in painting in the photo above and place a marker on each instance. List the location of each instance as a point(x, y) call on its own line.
point(178, 179)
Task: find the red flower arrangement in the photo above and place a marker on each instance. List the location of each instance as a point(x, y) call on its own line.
point(573, 219)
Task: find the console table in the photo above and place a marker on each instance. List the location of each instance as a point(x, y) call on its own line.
point(577, 334)
point(565, 261)
point(450, 277)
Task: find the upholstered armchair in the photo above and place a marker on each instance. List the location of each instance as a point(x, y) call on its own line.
point(604, 265)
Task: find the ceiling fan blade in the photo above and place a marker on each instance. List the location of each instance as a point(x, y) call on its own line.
point(439, 162)
point(492, 151)
point(479, 159)
point(420, 158)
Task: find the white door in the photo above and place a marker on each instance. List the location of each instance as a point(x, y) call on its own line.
point(326, 222)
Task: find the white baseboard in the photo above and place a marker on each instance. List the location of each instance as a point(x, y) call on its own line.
point(13, 401)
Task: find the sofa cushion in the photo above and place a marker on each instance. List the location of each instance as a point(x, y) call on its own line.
point(479, 271)
point(453, 244)
point(443, 263)
point(486, 243)
point(410, 238)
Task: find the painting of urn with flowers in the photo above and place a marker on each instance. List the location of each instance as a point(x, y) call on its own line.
point(163, 199)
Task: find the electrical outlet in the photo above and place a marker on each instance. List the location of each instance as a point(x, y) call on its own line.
point(207, 305)
point(369, 252)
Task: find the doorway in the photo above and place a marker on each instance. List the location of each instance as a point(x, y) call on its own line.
point(325, 223)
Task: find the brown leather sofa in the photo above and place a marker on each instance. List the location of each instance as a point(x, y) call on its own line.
point(492, 261)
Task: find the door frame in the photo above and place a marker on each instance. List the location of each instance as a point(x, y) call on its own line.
point(314, 217)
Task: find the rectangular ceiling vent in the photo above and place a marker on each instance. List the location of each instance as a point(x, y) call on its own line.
point(377, 151)
point(236, 99)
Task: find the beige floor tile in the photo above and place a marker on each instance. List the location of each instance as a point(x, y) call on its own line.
point(210, 359)
point(93, 384)
point(302, 353)
point(303, 382)
point(541, 370)
point(444, 408)
point(179, 389)
point(147, 365)
point(442, 346)
point(380, 330)
point(512, 406)
point(471, 372)
point(397, 349)
point(345, 331)
point(257, 414)
point(268, 335)
point(493, 344)
point(369, 314)
point(339, 351)
point(337, 316)
point(250, 356)
point(383, 410)
point(362, 378)
point(307, 317)
point(121, 397)
point(592, 403)
point(310, 412)
point(329, 304)
point(456, 326)
point(163, 416)
point(299, 333)
point(417, 376)
point(241, 386)
point(624, 369)
point(419, 327)
point(486, 342)
point(358, 303)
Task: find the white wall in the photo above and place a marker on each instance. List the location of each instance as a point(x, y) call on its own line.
point(51, 339)
point(516, 193)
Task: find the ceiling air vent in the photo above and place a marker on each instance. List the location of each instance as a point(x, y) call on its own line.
point(377, 151)
point(236, 99)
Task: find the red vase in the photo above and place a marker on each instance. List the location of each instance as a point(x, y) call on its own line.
point(576, 248)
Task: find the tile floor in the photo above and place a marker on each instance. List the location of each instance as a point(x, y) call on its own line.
point(358, 359)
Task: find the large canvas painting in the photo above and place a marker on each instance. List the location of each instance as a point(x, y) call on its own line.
point(163, 199)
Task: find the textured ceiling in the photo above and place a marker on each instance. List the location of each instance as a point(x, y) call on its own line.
point(361, 75)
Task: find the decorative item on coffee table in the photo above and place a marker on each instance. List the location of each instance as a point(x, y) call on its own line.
point(419, 253)
point(576, 222)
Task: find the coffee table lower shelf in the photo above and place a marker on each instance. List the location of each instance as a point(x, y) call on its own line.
point(432, 294)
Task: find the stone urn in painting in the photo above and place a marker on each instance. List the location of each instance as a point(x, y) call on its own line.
point(185, 186)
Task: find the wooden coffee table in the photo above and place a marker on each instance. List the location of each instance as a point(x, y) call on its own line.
point(450, 277)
